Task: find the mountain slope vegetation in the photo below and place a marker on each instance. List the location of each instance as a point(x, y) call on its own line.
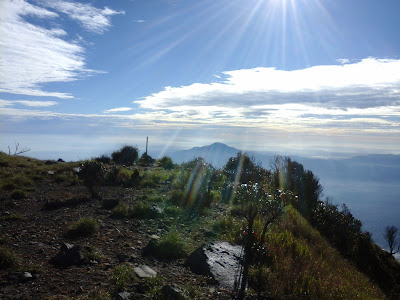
point(115, 216)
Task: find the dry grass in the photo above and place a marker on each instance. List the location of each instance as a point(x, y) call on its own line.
point(299, 262)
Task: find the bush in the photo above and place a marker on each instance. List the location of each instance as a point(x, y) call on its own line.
point(123, 276)
point(8, 259)
point(146, 160)
point(93, 174)
point(169, 246)
point(85, 227)
point(165, 162)
point(121, 211)
point(127, 155)
point(105, 159)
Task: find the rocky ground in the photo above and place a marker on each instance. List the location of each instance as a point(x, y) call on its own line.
point(34, 228)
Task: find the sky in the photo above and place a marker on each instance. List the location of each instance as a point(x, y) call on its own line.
point(305, 77)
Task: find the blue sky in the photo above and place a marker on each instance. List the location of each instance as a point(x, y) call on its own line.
point(308, 77)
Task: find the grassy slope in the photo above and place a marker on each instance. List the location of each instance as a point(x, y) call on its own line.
point(299, 262)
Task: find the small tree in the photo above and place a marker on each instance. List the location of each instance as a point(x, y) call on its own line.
point(127, 155)
point(391, 239)
point(257, 202)
point(93, 175)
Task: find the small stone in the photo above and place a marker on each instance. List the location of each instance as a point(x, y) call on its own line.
point(124, 296)
point(144, 271)
point(154, 237)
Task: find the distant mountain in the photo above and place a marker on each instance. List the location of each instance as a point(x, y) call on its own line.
point(216, 154)
point(376, 167)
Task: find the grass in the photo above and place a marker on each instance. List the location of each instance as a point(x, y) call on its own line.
point(298, 262)
point(85, 227)
point(138, 210)
point(171, 246)
point(8, 258)
point(122, 277)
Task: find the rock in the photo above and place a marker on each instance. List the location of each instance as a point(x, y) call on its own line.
point(25, 276)
point(154, 237)
point(220, 260)
point(173, 292)
point(144, 271)
point(155, 212)
point(123, 296)
point(69, 255)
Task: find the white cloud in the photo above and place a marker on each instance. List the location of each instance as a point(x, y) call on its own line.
point(343, 60)
point(118, 109)
point(32, 55)
point(368, 83)
point(29, 103)
point(91, 18)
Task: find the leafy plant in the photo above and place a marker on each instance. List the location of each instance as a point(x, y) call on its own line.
point(123, 276)
point(85, 227)
point(170, 246)
point(121, 211)
point(165, 162)
point(93, 175)
point(127, 155)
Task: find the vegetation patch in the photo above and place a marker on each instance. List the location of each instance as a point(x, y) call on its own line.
point(123, 276)
point(8, 258)
point(170, 246)
point(85, 227)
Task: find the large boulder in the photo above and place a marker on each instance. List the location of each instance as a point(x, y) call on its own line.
point(220, 260)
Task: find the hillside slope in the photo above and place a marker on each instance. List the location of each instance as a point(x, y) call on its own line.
point(41, 202)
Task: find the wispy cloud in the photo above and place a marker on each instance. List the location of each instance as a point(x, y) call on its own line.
point(118, 109)
point(32, 55)
point(91, 18)
point(29, 103)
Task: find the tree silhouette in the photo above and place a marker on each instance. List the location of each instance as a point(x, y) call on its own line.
point(390, 237)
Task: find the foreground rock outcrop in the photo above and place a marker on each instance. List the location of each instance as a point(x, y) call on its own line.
point(220, 260)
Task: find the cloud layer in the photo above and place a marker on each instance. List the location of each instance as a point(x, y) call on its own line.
point(32, 55)
point(362, 96)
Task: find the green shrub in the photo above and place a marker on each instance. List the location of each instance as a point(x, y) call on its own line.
point(176, 198)
point(127, 155)
point(123, 276)
point(85, 227)
point(8, 258)
point(105, 159)
point(171, 246)
point(93, 175)
point(146, 160)
point(141, 210)
point(165, 162)
point(121, 211)
point(150, 179)
point(173, 211)
point(155, 198)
